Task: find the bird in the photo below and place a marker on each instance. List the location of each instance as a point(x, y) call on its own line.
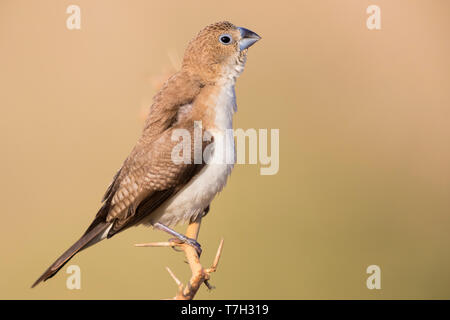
point(152, 189)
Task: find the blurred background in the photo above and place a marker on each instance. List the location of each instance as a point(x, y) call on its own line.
point(364, 147)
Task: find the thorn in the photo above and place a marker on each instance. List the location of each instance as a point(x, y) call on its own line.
point(157, 244)
point(218, 254)
point(177, 281)
point(208, 285)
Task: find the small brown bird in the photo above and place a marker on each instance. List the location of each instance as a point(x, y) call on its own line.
point(151, 188)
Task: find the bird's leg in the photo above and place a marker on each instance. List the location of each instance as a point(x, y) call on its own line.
point(181, 237)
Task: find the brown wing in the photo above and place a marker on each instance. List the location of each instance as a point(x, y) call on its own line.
point(148, 179)
point(148, 176)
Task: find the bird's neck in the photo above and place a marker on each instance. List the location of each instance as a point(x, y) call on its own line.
point(216, 105)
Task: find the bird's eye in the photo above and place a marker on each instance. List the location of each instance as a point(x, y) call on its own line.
point(225, 39)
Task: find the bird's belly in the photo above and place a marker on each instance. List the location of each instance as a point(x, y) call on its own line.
point(193, 198)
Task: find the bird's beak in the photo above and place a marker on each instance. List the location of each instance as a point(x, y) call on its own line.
point(248, 38)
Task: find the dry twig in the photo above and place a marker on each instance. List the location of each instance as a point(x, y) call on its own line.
point(199, 274)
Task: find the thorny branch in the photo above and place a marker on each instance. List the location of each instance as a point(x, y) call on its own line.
point(200, 275)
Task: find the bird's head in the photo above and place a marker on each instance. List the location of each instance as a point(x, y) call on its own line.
point(218, 51)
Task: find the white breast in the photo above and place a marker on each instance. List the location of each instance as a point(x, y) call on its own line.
point(201, 190)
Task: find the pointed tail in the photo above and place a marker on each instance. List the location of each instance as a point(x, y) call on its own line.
point(88, 239)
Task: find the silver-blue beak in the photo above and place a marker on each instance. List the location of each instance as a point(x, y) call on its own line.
point(248, 38)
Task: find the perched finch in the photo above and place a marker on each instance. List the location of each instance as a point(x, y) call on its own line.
point(151, 188)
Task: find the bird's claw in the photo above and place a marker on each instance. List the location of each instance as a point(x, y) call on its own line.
point(177, 241)
point(191, 242)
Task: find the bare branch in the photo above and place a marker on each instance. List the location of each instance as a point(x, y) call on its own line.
point(199, 274)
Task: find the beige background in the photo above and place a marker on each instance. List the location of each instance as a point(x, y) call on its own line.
point(364, 147)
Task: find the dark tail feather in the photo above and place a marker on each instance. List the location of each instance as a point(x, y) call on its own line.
point(85, 241)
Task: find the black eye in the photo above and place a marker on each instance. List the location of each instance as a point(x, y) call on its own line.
point(225, 39)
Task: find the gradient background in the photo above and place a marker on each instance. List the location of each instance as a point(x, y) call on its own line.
point(364, 119)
